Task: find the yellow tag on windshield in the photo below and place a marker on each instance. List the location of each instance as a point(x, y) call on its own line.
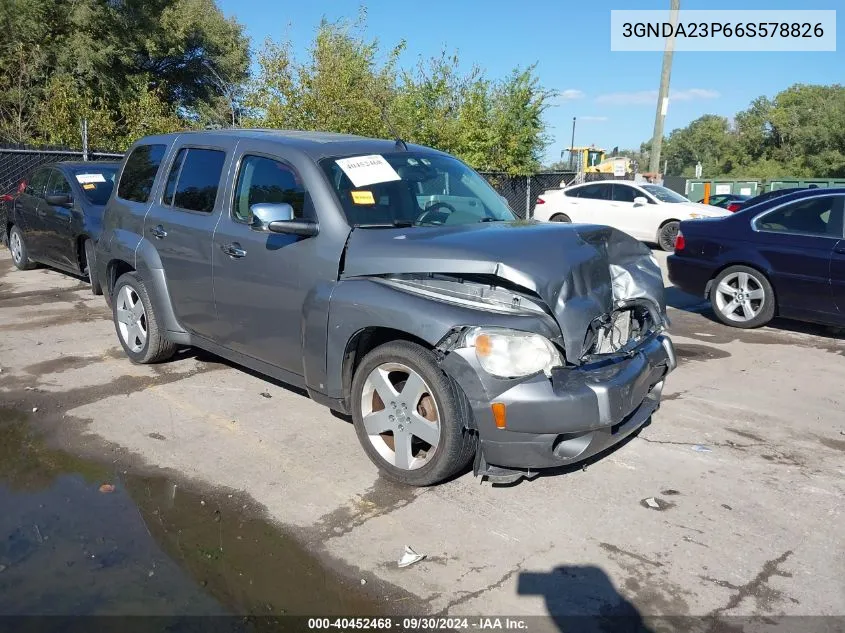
point(89, 185)
point(363, 197)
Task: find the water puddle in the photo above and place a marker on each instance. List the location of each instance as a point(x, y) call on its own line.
point(151, 545)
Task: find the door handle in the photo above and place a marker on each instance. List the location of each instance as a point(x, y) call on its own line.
point(158, 231)
point(839, 248)
point(234, 250)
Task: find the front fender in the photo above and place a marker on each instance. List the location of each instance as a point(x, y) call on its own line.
point(360, 303)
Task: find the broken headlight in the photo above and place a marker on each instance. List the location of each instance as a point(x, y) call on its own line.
point(508, 353)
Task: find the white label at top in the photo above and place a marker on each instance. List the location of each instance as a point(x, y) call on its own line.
point(367, 170)
point(86, 178)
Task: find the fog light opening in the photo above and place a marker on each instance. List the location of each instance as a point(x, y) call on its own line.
point(499, 414)
point(571, 445)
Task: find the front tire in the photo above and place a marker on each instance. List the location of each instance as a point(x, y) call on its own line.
point(742, 297)
point(667, 234)
point(411, 418)
point(91, 267)
point(136, 324)
point(17, 246)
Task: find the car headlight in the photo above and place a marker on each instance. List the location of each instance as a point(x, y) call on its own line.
point(509, 353)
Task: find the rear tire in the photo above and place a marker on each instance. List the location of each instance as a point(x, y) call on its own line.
point(136, 324)
point(667, 234)
point(91, 267)
point(17, 246)
point(561, 217)
point(742, 297)
point(388, 418)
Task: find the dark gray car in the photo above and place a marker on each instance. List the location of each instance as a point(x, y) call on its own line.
point(57, 215)
point(391, 282)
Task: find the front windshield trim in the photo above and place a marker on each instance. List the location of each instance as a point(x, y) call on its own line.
point(434, 189)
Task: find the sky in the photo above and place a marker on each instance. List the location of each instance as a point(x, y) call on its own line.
point(612, 94)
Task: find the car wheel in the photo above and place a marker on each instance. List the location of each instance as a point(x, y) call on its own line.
point(18, 248)
point(136, 323)
point(91, 267)
point(560, 217)
point(742, 297)
point(667, 234)
point(411, 418)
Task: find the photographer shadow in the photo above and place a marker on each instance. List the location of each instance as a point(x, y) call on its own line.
point(582, 598)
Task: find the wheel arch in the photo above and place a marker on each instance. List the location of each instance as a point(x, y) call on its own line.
point(114, 270)
point(364, 341)
point(80, 250)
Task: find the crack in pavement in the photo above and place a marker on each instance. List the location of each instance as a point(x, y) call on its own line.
point(757, 587)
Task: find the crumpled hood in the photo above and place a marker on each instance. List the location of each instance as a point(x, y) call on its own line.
point(580, 271)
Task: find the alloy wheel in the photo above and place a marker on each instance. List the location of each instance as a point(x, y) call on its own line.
point(740, 297)
point(400, 416)
point(15, 246)
point(132, 319)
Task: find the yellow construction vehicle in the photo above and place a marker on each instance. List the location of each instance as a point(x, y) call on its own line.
point(593, 160)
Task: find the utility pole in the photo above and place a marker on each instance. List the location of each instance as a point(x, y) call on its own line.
point(572, 145)
point(663, 97)
point(85, 139)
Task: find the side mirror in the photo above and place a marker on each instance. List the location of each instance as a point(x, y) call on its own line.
point(59, 200)
point(278, 218)
point(640, 201)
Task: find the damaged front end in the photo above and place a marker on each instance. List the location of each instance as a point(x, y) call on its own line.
point(562, 394)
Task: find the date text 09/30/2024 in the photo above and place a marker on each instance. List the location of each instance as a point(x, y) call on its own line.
point(418, 624)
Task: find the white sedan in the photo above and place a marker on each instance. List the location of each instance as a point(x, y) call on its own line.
point(650, 213)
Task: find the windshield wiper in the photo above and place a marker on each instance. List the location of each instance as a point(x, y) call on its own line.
point(490, 220)
point(394, 225)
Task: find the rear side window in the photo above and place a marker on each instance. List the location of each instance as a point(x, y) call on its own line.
point(194, 179)
point(596, 192)
point(816, 216)
point(266, 180)
point(139, 173)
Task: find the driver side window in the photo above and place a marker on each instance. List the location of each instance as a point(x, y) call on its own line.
point(263, 179)
point(58, 184)
point(37, 184)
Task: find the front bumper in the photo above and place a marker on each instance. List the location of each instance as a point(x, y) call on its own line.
point(578, 412)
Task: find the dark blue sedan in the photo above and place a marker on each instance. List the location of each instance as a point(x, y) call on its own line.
point(784, 256)
point(57, 214)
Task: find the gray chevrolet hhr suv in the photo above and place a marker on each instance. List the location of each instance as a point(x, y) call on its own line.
point(393, 284)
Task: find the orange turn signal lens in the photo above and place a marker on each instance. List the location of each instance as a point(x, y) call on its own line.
point(499, 415)
point(483, 345)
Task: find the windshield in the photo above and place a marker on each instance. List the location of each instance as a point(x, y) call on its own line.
point(96, 183)
point(664, 195)
point(412, 189)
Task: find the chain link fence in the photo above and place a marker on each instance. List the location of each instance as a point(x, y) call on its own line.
point(520, 191)
point(17, 162)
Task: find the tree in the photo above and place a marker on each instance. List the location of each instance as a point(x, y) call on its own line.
point(800, 133)
point(122, 61)
point(347, 85)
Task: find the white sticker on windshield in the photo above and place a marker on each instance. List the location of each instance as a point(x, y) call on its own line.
point(86, 178)
point(367, 170)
